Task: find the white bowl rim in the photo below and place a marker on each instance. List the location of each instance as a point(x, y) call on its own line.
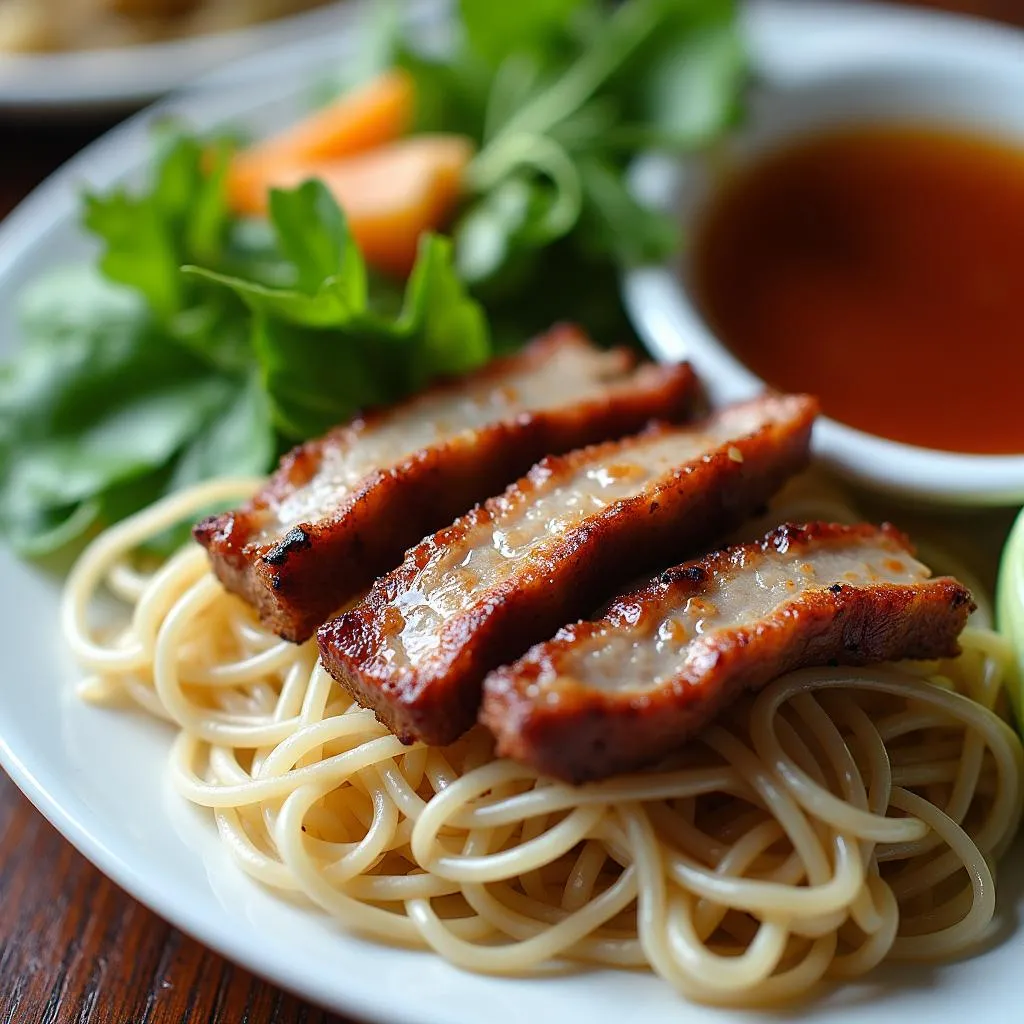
point(794, 41)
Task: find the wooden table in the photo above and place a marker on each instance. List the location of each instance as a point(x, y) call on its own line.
point(75, 949)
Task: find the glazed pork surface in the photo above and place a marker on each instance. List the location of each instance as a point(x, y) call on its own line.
point(624, 690)
point(343, 509)
point(552, 547)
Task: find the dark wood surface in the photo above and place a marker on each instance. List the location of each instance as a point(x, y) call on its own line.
point(74, 948)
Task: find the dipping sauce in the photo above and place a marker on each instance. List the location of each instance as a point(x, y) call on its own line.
point(881, 269)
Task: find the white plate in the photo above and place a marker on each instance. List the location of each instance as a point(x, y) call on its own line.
point(99, 775)
point(94, 80)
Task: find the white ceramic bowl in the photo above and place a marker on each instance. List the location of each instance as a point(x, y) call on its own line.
point(825, 64)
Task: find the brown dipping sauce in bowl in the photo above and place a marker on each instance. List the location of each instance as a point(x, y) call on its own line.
point(882, 269)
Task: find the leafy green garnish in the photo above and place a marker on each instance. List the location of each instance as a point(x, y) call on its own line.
point(573, 91)
point(98, 397)
point(496, 30)
point(122, 391)
point(135, 378)
point(182, 218)
point(322, 351)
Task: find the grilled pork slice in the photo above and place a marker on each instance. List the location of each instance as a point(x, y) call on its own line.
point(477, 594)
point(619, 693)
point(341, 510)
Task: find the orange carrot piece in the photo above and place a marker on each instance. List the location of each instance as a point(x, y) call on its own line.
point(368, 116)
point(392, 194)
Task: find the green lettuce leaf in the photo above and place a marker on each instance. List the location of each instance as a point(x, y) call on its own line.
point(96, 398)
point(182, 218)
point(323, 352)
point(130, 375)
point(494, 30)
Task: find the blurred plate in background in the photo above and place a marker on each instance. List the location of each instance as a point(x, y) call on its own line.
point(88, 82)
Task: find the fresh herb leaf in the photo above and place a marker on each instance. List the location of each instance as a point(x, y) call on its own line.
point(322, 309)
point(329, 271)
point(139, 252)
point(139, 434)
point(34, 531)
point(564, 119)
point(574, 279)
point(312, 233)
point(88, 345)
point(315, 379)
point(127, 375)
point(238, 440)
point(689, 91)
point(182, 218)
point(450, 94)
point(96, 397)
point(489, 230)
point(207, 217)
point(323, 353)
point(443, 327)
point(615, 221)
point(494, 30)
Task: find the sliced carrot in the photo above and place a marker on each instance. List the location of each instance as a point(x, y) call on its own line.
point(370, 115)
point(392, 194)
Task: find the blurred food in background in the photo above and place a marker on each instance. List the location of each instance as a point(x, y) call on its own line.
point(38, 25)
